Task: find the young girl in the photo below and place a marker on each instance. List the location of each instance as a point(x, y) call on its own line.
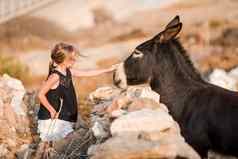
point(58, 104)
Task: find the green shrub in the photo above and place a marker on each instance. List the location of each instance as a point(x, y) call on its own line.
point(13, 67)
point(215, 23)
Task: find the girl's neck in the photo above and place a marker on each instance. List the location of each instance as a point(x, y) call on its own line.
point(61, 68)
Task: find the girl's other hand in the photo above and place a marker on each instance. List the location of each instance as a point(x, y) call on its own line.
point(53, 114)
point(57, 115)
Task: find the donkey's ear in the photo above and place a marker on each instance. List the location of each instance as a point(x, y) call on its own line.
point(169, 33)
point(173, 22)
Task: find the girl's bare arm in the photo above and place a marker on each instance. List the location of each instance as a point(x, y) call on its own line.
point(87, 73)
point(53, 78)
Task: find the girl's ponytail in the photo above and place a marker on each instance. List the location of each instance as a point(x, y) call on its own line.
point(51, 67)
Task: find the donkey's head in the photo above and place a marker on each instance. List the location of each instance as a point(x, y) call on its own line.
point(138, 68)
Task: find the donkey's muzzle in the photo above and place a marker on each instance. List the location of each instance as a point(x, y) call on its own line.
point(119, 77)
point(116, 81)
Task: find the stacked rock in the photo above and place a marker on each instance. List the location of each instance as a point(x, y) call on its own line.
point(132, 123)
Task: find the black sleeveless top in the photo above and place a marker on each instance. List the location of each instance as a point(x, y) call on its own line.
point(65, 90)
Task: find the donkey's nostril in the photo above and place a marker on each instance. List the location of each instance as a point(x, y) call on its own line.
point(117, 82)
point(114, 76)
point(119, 77)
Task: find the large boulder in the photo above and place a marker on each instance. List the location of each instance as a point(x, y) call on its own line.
point(14, 130)
point(131, 146)
point(103, 94)
point(146, 120)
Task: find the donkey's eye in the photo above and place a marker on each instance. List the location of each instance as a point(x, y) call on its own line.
point(138, 53)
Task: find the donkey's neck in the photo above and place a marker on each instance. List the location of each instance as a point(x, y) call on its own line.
point(185, 61)
point(173, 91)
point(172, 81)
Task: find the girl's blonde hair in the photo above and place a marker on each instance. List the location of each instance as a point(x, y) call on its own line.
point(59, 53)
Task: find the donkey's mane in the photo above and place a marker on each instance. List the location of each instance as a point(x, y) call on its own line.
point(187, 59)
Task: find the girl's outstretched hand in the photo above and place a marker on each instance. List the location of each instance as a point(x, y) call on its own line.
point(88, 73)
point(113, 67)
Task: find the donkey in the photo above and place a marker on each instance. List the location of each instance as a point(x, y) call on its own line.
point(207, 114)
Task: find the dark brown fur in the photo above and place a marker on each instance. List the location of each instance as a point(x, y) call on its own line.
point(207, 114)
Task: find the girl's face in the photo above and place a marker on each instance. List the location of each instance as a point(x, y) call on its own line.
point(70, 59)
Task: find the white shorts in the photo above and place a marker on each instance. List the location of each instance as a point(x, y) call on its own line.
point(54, 129)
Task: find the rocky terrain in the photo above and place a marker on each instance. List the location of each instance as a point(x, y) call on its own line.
point(130, 123)
point(114, 123)
point(140, 126)
point(17, 118)
point(117, 116)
